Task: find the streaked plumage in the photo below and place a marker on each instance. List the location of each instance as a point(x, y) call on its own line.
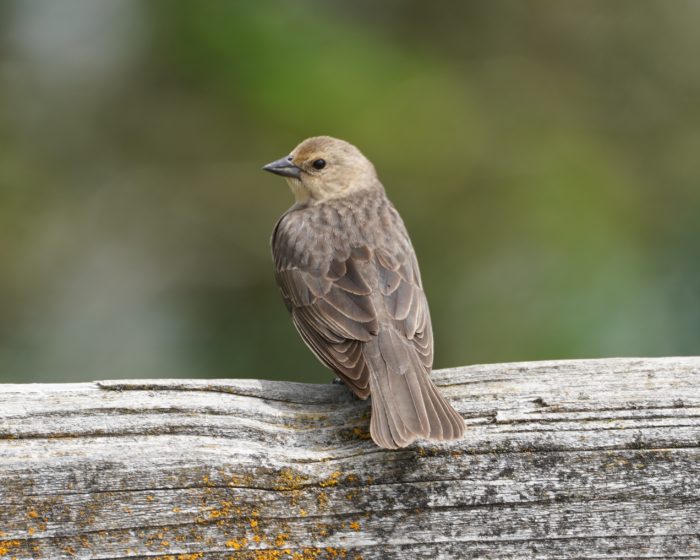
point(349, 277)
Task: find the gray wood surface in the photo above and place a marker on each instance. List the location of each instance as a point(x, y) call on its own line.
point(566, 459)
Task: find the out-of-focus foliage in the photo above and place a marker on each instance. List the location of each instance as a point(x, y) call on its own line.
point(543, 154)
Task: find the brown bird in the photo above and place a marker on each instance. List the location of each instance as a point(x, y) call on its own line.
point(349, 277)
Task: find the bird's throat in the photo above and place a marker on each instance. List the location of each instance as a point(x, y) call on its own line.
point(300, 192)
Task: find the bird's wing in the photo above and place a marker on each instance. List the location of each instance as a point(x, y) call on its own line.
point(334, 312)
point(404, 300)
point(339, 307)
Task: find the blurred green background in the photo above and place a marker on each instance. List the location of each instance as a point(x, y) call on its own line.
point(544, 155)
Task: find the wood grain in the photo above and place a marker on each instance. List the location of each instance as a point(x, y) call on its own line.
point(565, 459)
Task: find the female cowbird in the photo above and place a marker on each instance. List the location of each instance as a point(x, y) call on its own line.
point(349, 277)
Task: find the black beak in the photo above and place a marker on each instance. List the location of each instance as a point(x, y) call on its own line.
point(284, 167)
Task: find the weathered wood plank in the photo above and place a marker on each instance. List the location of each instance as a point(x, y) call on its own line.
point(568, 459)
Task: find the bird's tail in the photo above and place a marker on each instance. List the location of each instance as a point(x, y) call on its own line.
point(406, 404)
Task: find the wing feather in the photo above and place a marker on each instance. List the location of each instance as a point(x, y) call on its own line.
point(333, 311)
point(337, 302)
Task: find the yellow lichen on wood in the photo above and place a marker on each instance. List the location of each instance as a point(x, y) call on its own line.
point(332, 480)
point(290, 480)
point(268, 554)
point(6, 546)
point(281, 539)
point(227, 508)
point(328, 553)
point(236, 544)
point(322, 500)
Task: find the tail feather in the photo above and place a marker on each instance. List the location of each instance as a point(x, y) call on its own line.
point(406, 405)
point(386, 429)
point(451, 424)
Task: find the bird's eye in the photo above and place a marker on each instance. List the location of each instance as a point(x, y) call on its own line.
point(319, 163)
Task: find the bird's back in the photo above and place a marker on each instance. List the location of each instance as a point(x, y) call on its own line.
point(310, 237)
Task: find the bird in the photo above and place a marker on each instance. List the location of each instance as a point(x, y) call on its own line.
point(349, 276)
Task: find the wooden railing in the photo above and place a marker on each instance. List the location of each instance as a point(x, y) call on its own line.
point(565, 459)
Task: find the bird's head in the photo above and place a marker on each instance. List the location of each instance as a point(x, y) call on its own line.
point(322, 168)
